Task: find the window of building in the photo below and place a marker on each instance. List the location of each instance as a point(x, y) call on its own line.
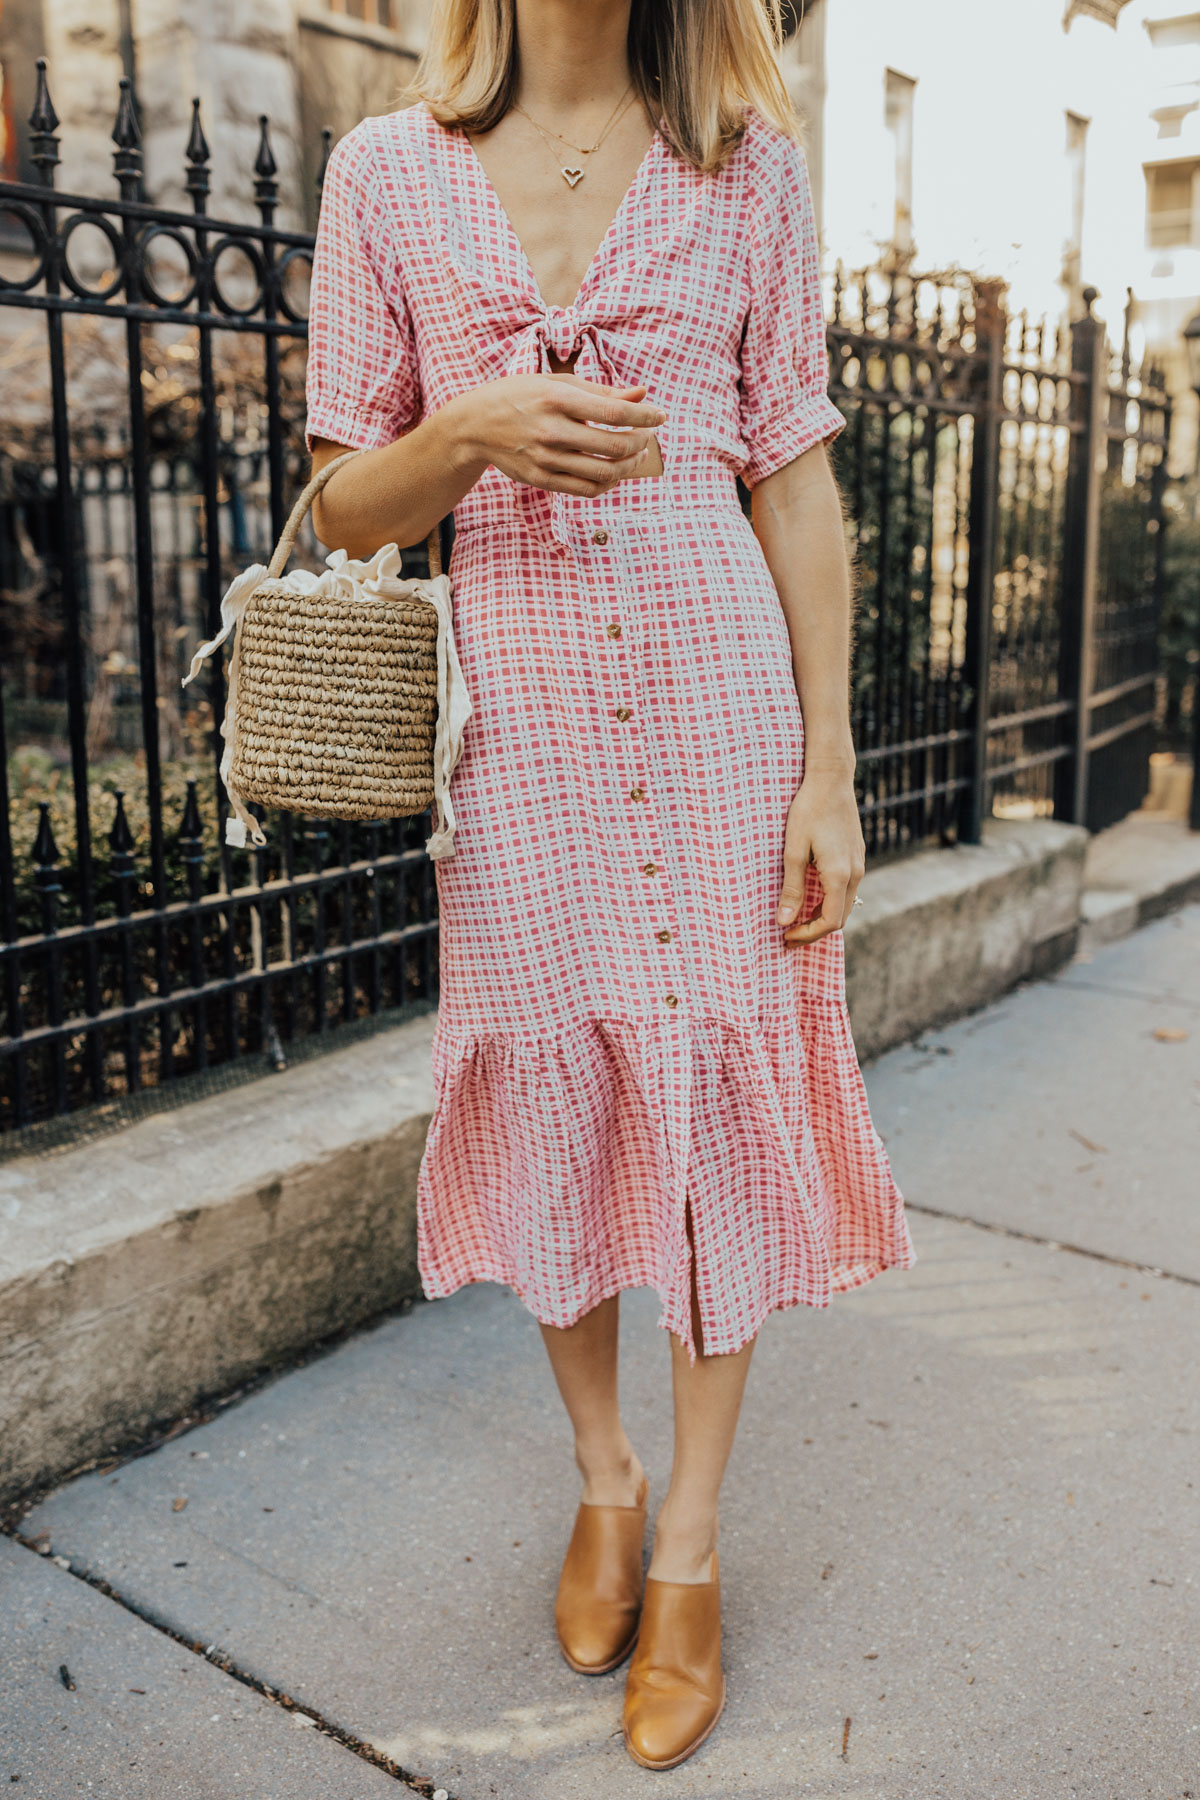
point(899, 92)
point(370, 12)
point(1180, 39)
point(1173, 205)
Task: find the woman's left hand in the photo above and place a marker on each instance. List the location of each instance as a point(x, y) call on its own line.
point(823, 829)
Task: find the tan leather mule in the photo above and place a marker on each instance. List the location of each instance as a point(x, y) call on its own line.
point(675, 1688)
point(599, 1599)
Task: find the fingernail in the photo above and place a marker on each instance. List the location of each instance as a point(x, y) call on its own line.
point(643, 453)
point(786, 914)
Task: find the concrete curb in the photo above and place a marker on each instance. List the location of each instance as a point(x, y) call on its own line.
point(144, 1271)
point(1135, 872)
point(948, 930)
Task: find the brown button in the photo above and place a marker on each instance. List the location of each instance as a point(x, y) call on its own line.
point(599, 537)
point(672, 999)
point(623, 713)
point(614, 630)
point(637, 793)
point(664, 937)
point(649, 868)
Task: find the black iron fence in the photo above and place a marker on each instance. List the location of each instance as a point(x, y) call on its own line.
point(1004, 481)
point(1004, 486)
point(138, 948)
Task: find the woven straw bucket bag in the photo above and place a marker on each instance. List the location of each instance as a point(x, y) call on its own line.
point(345, 697)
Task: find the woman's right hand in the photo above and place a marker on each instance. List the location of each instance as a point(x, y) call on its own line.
point(534, 428)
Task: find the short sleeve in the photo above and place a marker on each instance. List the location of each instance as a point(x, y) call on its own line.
point(361, 384)
point(785, 408)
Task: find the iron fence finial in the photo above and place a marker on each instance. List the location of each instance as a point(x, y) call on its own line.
point(45, 849)
point(197, 153)
point(190, 825)
point(266, 188)
point(120, 838)
point(46, 872)
point(43, 125)
point(127, 136)
point(126, 132)
point(264, 163)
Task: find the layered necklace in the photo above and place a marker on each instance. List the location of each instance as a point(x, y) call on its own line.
point(573, 173)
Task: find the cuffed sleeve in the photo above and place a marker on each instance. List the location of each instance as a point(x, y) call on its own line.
point(785, 408)
point(361, 386)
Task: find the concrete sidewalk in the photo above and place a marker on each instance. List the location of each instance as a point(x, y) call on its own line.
point(960, 1536)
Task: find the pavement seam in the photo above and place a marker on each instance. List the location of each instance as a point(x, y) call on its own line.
point(220, 1659)
point(1033, 1237)
point(1079, 984)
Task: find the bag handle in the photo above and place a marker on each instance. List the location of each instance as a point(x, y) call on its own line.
point(299, 512)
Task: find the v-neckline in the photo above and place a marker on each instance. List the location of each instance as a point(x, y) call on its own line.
point(493, 198)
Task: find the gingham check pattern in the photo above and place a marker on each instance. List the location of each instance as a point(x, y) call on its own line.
point(622, 1032)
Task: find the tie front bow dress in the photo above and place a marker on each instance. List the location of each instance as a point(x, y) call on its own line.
point(637, 1081)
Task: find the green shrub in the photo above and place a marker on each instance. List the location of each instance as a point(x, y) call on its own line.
point(35, 776)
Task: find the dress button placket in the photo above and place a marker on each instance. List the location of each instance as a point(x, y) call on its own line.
point(624, 715)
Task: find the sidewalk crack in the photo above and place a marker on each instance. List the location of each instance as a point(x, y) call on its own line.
point(1049, 1243)
point(221, 1659)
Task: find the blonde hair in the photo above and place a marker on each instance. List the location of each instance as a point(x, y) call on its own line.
point(696, 64)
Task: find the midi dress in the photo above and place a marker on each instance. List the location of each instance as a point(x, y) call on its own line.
point(637, 1081)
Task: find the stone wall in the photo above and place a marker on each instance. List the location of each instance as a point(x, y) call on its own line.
point(304, 66)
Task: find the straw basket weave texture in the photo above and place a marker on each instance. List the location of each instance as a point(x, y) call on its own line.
point(337, 704)
point(345, 695)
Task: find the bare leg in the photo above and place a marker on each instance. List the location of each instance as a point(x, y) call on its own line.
point(708, 1400)
point(584, 1360)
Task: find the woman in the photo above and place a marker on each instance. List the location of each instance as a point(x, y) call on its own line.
point(572, 294)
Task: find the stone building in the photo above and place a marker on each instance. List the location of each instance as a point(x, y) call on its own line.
point(1054, 146)
point(306, 64)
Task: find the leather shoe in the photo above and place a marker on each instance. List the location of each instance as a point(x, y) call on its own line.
point(599, 1598)
point(675, 1689)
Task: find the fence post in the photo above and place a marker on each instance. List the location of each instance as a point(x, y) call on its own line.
point(1081, 545)
point(991, 327)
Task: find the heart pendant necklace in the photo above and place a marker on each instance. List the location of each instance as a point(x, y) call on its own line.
point(573, 173)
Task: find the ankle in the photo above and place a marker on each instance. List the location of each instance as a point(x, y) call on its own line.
point(612, 1473)
point(685, 1539)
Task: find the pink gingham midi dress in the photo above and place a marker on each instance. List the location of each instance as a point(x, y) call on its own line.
point(623, 1036)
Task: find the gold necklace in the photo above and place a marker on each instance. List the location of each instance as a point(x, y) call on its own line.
point(573, 174)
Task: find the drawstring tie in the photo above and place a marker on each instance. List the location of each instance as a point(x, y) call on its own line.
point(560, 331)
